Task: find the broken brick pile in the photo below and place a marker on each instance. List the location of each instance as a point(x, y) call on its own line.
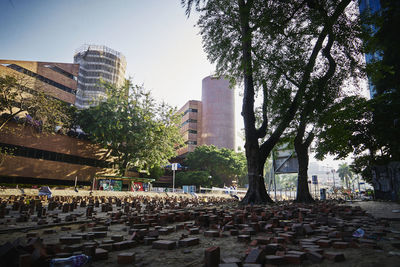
point(278, 234)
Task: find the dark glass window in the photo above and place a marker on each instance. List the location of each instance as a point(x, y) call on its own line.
point(41, 78)
point(53, 156)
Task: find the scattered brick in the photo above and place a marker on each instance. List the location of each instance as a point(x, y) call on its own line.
point(101, 254)
point(293, 259)
point(24, 260)
point(194, 231)
point(334, 256)
point(255, 256)
point(211, 233)
point(164, 244)
point(315, 256)
point(126, 258)
point(212, 256)
point(274, 260)
point(340, 245)
point(187, 242)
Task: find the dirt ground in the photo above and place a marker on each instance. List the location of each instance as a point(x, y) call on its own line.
point(230, 247)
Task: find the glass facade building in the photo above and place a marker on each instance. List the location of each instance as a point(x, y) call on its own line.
point(370, 6)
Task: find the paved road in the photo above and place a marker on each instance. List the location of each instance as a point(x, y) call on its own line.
point(380, 209)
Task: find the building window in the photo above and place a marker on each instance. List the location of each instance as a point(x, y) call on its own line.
point(29, 152)
point(192, 131)
point(41, 78)
point(61, 71)
point(190, 110)
point(188, 121)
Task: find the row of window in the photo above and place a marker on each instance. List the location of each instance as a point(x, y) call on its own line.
point(99, 66)
point(61, 71)
point(104, 74)
point(93, 80)
point(189, 110)
point(107, 61)
point(41, 78)
point(188, 121)
point(28, 152)
point(192, 131)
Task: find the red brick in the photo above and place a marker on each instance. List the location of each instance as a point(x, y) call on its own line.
point(324, 243)
point(275, 260)
point(164, 244)
point(25, 260)
point(117, 238)
point(314, 256)
point(255, 256)
point(211, 233)
point(187, 242)
point(101, 254)
point(212, 256)
point(293, 259)
point(126, 258)
point(108, 247)
point(194, 231)
point(340, 245)
point(334, 256)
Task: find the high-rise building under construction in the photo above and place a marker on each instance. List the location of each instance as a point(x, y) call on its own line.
point(97, 63)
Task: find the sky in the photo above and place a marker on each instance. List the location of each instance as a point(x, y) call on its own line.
point(162, 47)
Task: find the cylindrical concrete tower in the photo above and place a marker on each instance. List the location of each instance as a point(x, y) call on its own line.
point(218, 113)
point(97, 62)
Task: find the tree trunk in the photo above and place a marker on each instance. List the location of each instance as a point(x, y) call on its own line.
point(303, 193)
point(256, 194)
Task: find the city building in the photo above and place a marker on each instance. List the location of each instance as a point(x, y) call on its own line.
point(97, 63)
point(55, 79)
point(190, 127)
point(37, 157)
point(370, 6)
point(28, 155)
point(210, 121)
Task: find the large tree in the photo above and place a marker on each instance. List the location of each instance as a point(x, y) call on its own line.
point(370, 129)
point(274, 49)
point(136, 130)
point(17, 99)
point(223, 165)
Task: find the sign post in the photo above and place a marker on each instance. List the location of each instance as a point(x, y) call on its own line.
point(174, 168)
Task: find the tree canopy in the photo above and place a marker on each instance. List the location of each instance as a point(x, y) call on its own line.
point(280, 51)
point(369, 129)
point(136, 130)
point(197, 178)
point(17, 99)
point(223, 165)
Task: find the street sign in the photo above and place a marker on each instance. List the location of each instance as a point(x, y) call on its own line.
point(174, 166)
point(314, 179)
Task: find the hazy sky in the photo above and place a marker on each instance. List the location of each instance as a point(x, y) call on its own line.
point(161, 45)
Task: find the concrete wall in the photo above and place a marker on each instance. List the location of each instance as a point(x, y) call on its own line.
point(218, 113)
